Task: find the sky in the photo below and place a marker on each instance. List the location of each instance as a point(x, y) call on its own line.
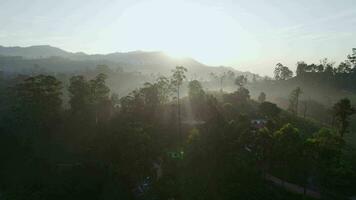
point(249, 35)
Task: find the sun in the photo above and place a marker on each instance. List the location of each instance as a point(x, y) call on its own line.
point(182, 29)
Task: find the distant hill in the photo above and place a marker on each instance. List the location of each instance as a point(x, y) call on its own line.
point(42, 51)
point(58, 60)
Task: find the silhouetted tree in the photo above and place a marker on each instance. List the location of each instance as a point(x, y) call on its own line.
point(342, 111)
point(197, 97)
point(178, 77)
point(352, 57)
point(240, 80)
point(79, 90)
point(262, 97)
point(294, 100)
point(344, 67)
point(38, 100)
point(302, 67)
point(282, 72)
point(242, 95)
point(99, 94)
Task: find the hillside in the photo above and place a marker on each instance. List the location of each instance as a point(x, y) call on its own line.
point(53, 59)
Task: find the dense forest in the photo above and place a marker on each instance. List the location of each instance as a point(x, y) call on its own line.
point(107, 133)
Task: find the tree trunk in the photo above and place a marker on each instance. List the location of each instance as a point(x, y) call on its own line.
point(179, 121)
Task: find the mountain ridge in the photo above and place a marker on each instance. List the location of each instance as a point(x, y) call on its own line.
point(142, 61)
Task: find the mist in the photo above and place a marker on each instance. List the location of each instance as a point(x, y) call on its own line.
point(178, 100)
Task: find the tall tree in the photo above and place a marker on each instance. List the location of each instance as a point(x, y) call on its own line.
point(282, 72)
point(177, 79)
point(262, 143)
point(79, 90)
point(287, 148)
point(38, 100)
point(262, 97)
point(242, 95)
point(99, 89)
point(241, 80)
point(328, 66)
point(301, 68)
point(164, 89)
point(196, 92)
point(196, 97)
point(220, 78)
point(99, 93)
point(352, 57)
point(294, 100)
point(342, 111)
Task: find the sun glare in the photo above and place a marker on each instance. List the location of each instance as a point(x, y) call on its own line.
point(183, 29)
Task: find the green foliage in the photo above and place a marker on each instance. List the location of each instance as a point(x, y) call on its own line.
point(38, 101)
point(288, 143)
point(225, 157)
point(342, 111)
point(282, 72)
point(294, 100)
point(196, 92)
point(98, 89)
point(178, 76)
point(269, 110)
point(79, 90)
point(242, 94)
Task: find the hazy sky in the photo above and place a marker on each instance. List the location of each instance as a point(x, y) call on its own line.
point(249, 35)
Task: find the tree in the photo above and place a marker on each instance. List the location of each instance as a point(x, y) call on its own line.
point(294, 100)
point(262, 97)
point(240, 80)
point(301, 68)
point(178, 77)
point(352, 57)
point(38, 101)
point(282, 72)
point(242, 95)
point(326, 145)
point(344, 67)
point(269, 110)
point(325, 152)
point(99, 95)
point(220, 78)
point(177, 80)
point(196, 97)
point(99, 90)
point(287, 148)
point(231, 75)
point(79, 90)
point(328, 66)
point(263, 142)
point(37, 107)
point(150, 95)
point(164, 89)
point(342, 111)
point(196, 92)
